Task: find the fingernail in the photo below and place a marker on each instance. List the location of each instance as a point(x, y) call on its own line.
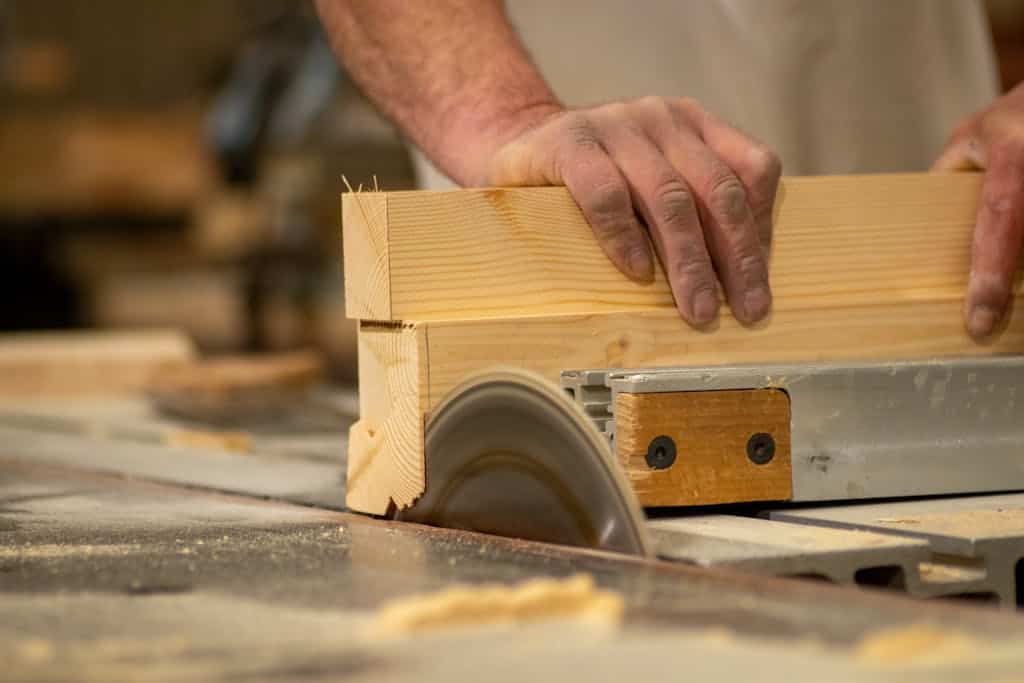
point(982, 321)
point(756, 303)
point(705, 307)
point(640, 264)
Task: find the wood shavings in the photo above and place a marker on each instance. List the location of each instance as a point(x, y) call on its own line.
point(54, 550)
point(918, 643)
point(897, 520)
point(34, 650)
point(232, 442)
point(536, 600)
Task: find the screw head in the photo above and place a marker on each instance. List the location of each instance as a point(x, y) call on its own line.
point(761, 448)
point(661, 453)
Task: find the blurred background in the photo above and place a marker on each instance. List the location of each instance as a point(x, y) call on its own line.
point(179, 164)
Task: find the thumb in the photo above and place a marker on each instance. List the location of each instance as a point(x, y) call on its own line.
point(963, 154)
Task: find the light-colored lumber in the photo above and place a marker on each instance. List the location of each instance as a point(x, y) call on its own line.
point(493, 253)
point(365, 249)
point(447, 352)
point(234, 388)
point(710, 430)
point(87, 363)
point(385, 451)
point(864, 267)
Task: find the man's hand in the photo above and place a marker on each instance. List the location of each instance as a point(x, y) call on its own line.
point(703, 190)
point(993, 140)
point(454, 76)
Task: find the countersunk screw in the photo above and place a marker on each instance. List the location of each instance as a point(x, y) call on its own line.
point(661, 453)
point(761, 448)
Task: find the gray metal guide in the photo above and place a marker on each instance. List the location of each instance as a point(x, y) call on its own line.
point(866, 430)
point(847, 556)
point(983, 534)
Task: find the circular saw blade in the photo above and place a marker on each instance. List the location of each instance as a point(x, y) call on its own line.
point(508, 453)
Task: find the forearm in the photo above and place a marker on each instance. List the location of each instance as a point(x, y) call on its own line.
point(452, 74)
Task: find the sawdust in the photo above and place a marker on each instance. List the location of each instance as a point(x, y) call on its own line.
point(575, 598)
point(897, 520)
point(932, 572)
point(1002, 522)
point(34, 650)
point(918, 643)
point(232, 442)
point(54, 550)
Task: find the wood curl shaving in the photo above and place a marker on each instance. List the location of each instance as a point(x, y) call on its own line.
point(576, 598)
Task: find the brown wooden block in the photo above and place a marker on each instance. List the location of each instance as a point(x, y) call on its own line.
point(722, 442)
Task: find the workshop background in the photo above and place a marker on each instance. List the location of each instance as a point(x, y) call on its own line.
point(178, 164)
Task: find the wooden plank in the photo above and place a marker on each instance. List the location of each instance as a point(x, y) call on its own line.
point(447, 352)
point(237, 388)
point(85, 363)
point(385, 458)
point(86, 162)
point(839, 241)
point(366, 252)
point(707, 433)
point(548, 345)
point(865, 268)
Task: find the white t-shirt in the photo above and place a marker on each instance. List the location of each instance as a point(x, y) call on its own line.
point(833, 86)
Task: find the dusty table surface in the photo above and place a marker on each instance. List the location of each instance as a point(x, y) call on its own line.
point(108, 578)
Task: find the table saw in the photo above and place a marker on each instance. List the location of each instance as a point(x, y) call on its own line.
point(127, 557)
point(726, 485)
point(514, 382)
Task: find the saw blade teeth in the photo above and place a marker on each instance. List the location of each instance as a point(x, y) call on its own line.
point(508, 453)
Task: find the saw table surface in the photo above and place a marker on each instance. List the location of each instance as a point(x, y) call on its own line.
point(125, 559)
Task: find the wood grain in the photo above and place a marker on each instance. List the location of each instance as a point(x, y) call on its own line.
point(448, 352)
point(864, 268)
point(385, 454)
point(710, 430)
point(366, 252)
point(548, 345)
point(467, 254)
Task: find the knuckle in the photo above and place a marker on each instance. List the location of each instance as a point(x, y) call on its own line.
point(690, 104)
point(607, 204)
point(750, 266)
point(1004, 149)
point(728, 198)
point(691, 266)
point(674, 201)
point(615, 110)
point(653, 104)
point(765, 163)
point(1009, 147)
point(991, 288)
point(999, 203)
point(581, 131)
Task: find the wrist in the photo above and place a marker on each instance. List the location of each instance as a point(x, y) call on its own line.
point(471, 135)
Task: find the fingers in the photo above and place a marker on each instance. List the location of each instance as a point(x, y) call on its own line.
point(960, 155)
point(574, 156)
point(604, 198)
point(729, 227)
point(736, 239)
point(668, 206)
point(998, 236)
point(962, 151)
point(705, 191)
point(755, 164)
